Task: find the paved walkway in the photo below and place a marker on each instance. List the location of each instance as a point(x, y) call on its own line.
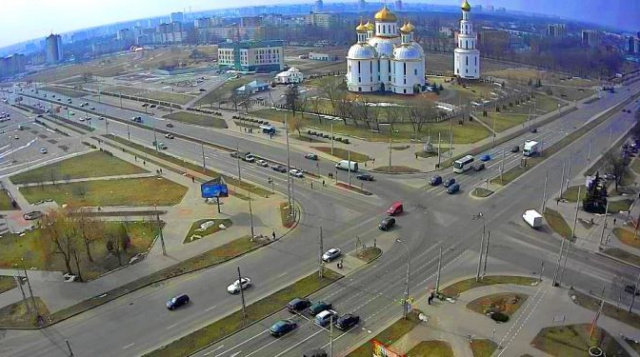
point(178, 220)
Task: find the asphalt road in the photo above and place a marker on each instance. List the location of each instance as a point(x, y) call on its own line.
point(139, 321)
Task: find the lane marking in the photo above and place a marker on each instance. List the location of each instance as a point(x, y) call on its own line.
point(240, 344)
point(129, 345)
point(171, 326)
point(210, 308)
point(299, 343)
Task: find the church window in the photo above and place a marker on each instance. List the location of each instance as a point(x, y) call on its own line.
point(467, 60)
point(359, 69)
point(475, 60)
point(405, 68)
point(415, 71)
point(371, 66)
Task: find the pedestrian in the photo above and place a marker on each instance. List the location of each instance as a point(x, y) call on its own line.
point(323, 184)
point(135, 158)
point(160, 170)
point(312, 185)
point(273, 234)
point(614, 221)
point(416, 156)
point(144, 163)
point(193, 179)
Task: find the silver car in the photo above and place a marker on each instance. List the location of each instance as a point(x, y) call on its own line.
point(235, 287)
point(331, 254)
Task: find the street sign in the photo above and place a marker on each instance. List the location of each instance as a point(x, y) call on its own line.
point(214, 188)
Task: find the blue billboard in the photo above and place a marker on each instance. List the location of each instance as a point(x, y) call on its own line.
point(214, 188)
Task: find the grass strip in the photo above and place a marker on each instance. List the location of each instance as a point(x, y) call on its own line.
point(7, 283)
point(189, 165)
point(575, 340)
point(433, 348)
point(343, 154)
point(205, 260)
point(456, 289)
point(395, 170)
point(286, 215)
point(623, 255)
point(66, 126)
point(215, 227)
point(389, 335)
point(234, 322)
point(18, 314)
point(557, 223)
point(482, 347)
point(72, 123)
point(51, 128)
point(610, 310)
point(198, 119)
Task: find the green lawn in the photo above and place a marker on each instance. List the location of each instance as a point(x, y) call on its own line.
point(170, 97)
point(222, 92)
point(574, 340)
point(92, 164)
point(571, 193)
point(464, 285)
point(626, 236)
point(506, 303)
point(5, 201)
point(118, 192)
point(389, 335)
point(482, 348)
point(256, 311)
point(621, 205)
point(432, 348)
point(195, 228)
point(557, 223)
point(198, 119)
point(7, 283)
point(17, 314)
point(502, 121)
point(343, 153)
point(65, 91)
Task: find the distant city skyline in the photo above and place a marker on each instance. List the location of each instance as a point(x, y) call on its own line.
point(26, 20)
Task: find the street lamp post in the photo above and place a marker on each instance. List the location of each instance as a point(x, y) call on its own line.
point(477, 217)
point(405, 302)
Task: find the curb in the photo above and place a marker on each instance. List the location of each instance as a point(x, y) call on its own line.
point(602, 254)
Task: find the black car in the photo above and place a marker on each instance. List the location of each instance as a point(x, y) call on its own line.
point(30, 216)
point(177, 301)
point(282, 327)
point(534, 130)
point(347, 321)
point(279, 168)
point(311, 156)
point(448, 182)
point(631, 289)
point(315, 353)
point(435, 180)
point(318, 307)
point(515, 149)
point(169, 125)
point(365, 177)
point(387, 223)
point(298, 304)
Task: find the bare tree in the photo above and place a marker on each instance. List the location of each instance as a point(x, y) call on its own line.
point(235, 98)
point(87, 76)
point(292, 98)
point(333, 89)
point(421, 114)
point(315, 105)
point(57, 228)
point(86, 227)
point(54, 176)
point(617, 166)
point(118, 242)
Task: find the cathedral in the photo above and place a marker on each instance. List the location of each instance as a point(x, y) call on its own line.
point(387, 58)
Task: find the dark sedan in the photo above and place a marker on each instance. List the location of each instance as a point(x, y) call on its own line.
point(347, 321)
point(436, 180)
point(177, 301)
point(365, 177)
point(298, 304)
point(279, 168)
point(282, 327)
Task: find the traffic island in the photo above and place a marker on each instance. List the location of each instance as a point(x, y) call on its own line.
point(19, 316)
point(368, 254)
point(343, 154)
point(481, 192)
point(482, 347)
point(558, 224)
point(499, 307)
point(216, 331)
point(395, 170)
point(576, 340)
point(7, 283)
point(610, 310)
point(205, 228)
point(459, 287)
point(287, 215)
point(432, 348)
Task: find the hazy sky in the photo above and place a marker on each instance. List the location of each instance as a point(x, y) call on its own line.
point(26, 19)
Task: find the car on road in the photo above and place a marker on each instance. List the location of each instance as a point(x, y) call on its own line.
point(387, 223)
point(515, 149)
point(318, 307)
point(453, 188)
point(298, 305)
point(145, 105)
point(248, 158)
point(365, 177)
point(169, 136)
point(296, 173)
point(609, 176)
point(30, 216)
point(485, 158)
point(478, 166)
point(435, 180)
point(325, 317)
point(534, 130)
point(81, 119)
point(347, 321)
point(279, 168)
point(318, 352)
point(282, 327)
point(152, 106)
point(161, 145)
point(235, 287)
point(43, 150)
point(177, 301)
point(262, 163)
point(311, 156)
point(631, 289)
point(100, 118)
point(448, 182)
point(16, 137)
point(331, 254)
point(93, 108)
point(169, 125)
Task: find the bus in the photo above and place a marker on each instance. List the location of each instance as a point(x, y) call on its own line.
point(463, 164)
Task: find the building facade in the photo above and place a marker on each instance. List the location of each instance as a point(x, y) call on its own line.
point(556, 30)
point(466, 57)
point(323, 20)
point(53, 44)
point(252, 56)
point(12, 65)
point(386, 58)
point(590, 38)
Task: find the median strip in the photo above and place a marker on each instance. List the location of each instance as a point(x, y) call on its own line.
point(230, 324)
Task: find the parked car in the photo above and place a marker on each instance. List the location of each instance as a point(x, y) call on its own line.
point(177, 301)
point(387, 223)
point(169, 136)
point(81, 119)
point(152, 106)
point(479, 166)
point(365, 177)
point(435, 180)
point(318, 307)
point(16, 137)
point(331, 254)
point(169, 125)
point(534, 130)
point(43, 150)
point(30, 216)
point(485, 158)
point(282, 327)
point(100, 118)
point(325, 317)
point(242, 283)
point(248, 158)
point(318, 352)
point(453, 188)
point(296, 173)
point(631, 289)
point(515, 149)
point(347, 321)
point(298, 305)
point(311, 156)
point(448, 182)
point(262, 163)
point(279, 168)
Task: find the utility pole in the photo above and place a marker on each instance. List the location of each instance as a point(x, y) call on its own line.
point(589, 152)
point(106, 124)
point(562, 179)
point(69, 347)
point(439, 150)
point(120, 100)
point(476, 217)
point(286, 132)
point(331, 337)
point(544, 192)
point(610, 135)
point(33, 300)
point(438, 275)
point(128, 133)
point(555, 274)
point(635, 291)
point(244, 309)
point(204, 163)
point(155, 138)
point(486, 255)
point(320, 261)
point(349, 167)
point(405, 305)
point(238, 160)
point(594, 323)
point(502, 165)
point(24, 297)
point(541, 271)
point(575, 218)
point(390, 139)
point(164, 249)
point(251, 215)
point(604, 223)
point(331, 124)
point(569, 171)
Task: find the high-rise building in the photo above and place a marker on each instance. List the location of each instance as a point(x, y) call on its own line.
point(398, 5)
point(325, 21)
point(177, 16)
point(251, 21)
point(362, 5)
point(557, 30)
point(252, 56)
point(590, 38)
point(319, 6)
point(53, 49)
point(466, 58)
point(12, 65)
point(630, 44)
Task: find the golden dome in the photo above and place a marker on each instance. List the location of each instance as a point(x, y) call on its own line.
point(385, 15)
point(407, 28)
point(466, 6)
point(361, 27)
point(370, 26)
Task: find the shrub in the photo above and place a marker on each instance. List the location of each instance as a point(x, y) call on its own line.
point(499, 317)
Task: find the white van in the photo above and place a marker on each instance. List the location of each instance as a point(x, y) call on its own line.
point(347, 165)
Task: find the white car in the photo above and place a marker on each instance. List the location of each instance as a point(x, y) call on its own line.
point(169, 136)
point(235, 287)
point(248, 158)
point(331, 254)
point(43, 150)
point(100, 118)
point(16, 137)
point(296, 173)
point(81, 119)
point(262, 163)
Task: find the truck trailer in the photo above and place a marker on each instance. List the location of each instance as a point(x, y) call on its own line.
point(531, 148)
point(533, 218)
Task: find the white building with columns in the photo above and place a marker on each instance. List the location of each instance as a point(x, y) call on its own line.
point(386, 58)
point(466, 58)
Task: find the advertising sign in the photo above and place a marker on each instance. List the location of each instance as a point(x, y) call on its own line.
point(214, 188)
point(380, 350)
